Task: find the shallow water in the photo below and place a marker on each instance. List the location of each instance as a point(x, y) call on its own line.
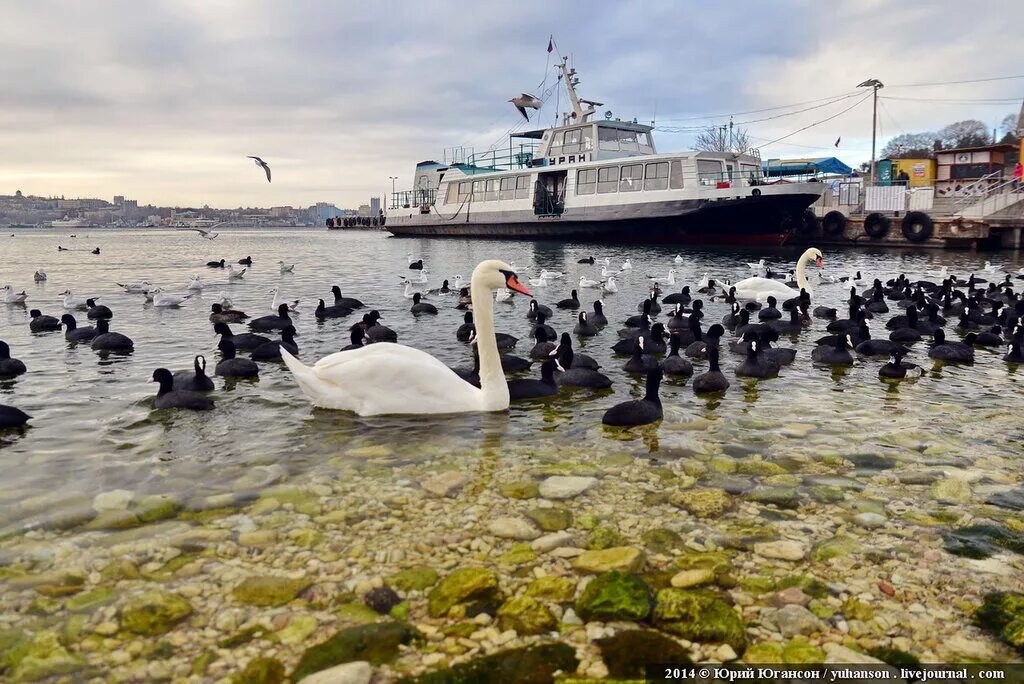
point(94, 429)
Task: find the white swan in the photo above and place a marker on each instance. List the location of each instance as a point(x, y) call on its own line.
point(587, 282)
point(609, 286)
point(71, 303)
point(759, 289)
point(162, 300)
point(12, 297)
point(388, 378)
point(293, 305)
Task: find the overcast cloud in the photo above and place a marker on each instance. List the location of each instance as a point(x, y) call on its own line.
point(161, 101)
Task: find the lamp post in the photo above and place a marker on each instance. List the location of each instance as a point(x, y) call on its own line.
point(393, 179)
point(875, 84)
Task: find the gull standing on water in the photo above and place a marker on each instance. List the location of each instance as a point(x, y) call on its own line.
point(260, 162)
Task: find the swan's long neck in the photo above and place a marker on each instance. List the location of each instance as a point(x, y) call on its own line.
point(801, 272)
point(492, 377)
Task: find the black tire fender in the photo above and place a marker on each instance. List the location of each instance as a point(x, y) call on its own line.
point(877, 225)
point(809, 222)
point(834, 223)
point(917, 226)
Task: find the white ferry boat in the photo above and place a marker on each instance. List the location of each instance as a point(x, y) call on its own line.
point(67, 222)
point(600, 179)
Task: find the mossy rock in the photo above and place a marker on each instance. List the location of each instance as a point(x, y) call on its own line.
point(413, 579)
point(246, 635)
point(44, 605)
point(261, 671)
point(836, 547)
point(622, 558)
point(518, 555)
point(461, 586)
point(757, 466)
point(628, 652)
point(604, 538)
point(520, 490)
point(526, 615)
point(757, 584)
point(157, 507)
point(800, 651)
point(765, 653)
point(201, 664)
point(304, 502)
point(858, 610)
point(40, 657)
point(552, 519)
point(122, 569)
point(114, 520)
point(781, 497)
point(356, 612)
point(811, 586)
point(552, 588)
point(154, 613)
point(615, 596)
point(723, 464)
point(377, 643)
point(88, 601)
point(662, 540)
point(894, 657)
point(1002, 614)
point(704, 503)
point(535, 664)
point(269, 591)
point(699, 615)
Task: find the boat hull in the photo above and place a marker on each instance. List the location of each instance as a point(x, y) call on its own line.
point(759, 220)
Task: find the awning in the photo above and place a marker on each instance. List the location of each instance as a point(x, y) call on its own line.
point(799, 167)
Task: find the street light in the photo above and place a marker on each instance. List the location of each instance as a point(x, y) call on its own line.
point(875, 84)
point(393, 200)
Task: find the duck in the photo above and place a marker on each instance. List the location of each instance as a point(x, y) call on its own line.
point(714, 379)
point(578, 360)
point(759, 289)
point(247, 261)
point(269, 323)
point(357, 337)
point(897, 369)
point(11, 417)
point(272, 351)
point(41, 323)
point(419, 307)
point(167, 397)
point(674, 364)
point(72, 304)
point(386, 378)
point(755, 364)
point(168, 301)
point(96, 250)
point(638, 411)
point(537, 308)
point(770, 312)
point(531, 388)
point(465, 301)
point(347, 302)
point(585, 328)
point(110, 341)
point(72, 333)
point(323, 311)
point(97, 311)
point(951, 351)
point(640, 362)
point(9, 367)
point(12, 297)
point(293, 305)
point(231, 366)
point(242, 341)
point(573, 302)
point(215, 264)
point(681, 297)
point(575, 375)
point(837, 354)
point(196, 380)
point(219, 314)
point(598, 318)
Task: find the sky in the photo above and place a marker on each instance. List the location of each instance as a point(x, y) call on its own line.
point(161, 101)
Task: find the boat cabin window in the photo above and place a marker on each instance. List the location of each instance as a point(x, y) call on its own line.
point(522, 187)
point(751, 172)
point(586, 182)
point(656, 176)
point(608, 179)
point(491, 189)
point(631, 178)
point(615, 140)
point(572, 141)
point(709, 171)
point(675, 179)
point(465, 189)
point(451, 193)
point(508, 188)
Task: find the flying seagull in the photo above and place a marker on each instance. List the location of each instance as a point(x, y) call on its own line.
point(526, 100)
point(208, 234)
point(266, 167)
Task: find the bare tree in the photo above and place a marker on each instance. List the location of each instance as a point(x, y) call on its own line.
point(968, 133)
point(720, 139)
point(909, 146)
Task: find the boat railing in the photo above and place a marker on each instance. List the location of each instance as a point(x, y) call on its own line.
point(519, 157)
point(404, 199)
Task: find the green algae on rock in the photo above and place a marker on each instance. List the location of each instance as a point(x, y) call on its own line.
point(376, 643)
point(553, 519)
point(764, 653)
point(526, 615)
point(552, 588)
point(704, 503)
point(699, 615)
point(623, 558)
point(1002, 614)
point(535, 664)
point(461, 586)
point(615, 596)
point(269, 591)
point(261, 671)
point(413, 579)
point(154, 612)
point(40, 657)
point(90, 600)
point(662, 540)
point(604, 538)
point(627, 653)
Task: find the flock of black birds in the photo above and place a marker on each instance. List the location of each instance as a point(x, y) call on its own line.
point(988, 314)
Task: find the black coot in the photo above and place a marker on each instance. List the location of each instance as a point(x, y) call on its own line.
point(96, 311)
point(573, 302)
point(196, 380)
point(9, 367)
point(574, 376)
point(270, 323)
point(336, 311)
point(675, 364)
point(110, 341)
point(419, 307)
point(11, 417)
point(347, 302)
point(530, 388)
point(167, 397)
point(230, 366)
point(242, 341)
point(218, 314)
point(41, 323)
point(714, 379)
point(638, 411)
point(72, 333)
point(272, 350)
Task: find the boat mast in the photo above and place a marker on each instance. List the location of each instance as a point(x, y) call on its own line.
point(571, 81)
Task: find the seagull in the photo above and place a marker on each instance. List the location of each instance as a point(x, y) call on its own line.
point(196, 283)
point(260, 162)
point(208, 234)
point(225, 301)
point(286, 268)
point(40, 275)
point(503, 296)
point(759, 266)
point(235, 275)
point(678, 259)
point(140, 287)
point(524, 101)
point(609, 286)
point(12, 297)
point(162, 300)
point(586, 282)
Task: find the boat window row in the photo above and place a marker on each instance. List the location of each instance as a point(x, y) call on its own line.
point(616, 140)
point(630, 178)
point(507, 188)
point(572, 141)
point(715, 171)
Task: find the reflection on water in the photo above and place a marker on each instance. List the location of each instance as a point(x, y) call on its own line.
point(94, 430)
